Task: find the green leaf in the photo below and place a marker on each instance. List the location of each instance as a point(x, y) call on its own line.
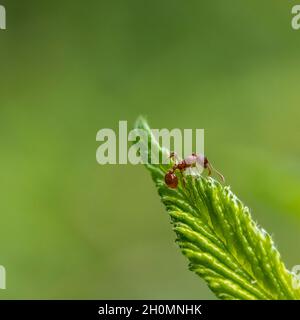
point(217, 234)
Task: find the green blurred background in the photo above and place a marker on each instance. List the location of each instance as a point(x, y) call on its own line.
point(71, 228)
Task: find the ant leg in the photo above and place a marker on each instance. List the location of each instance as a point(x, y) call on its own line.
point(209, 169)
point(183, 179)
point(174, 157)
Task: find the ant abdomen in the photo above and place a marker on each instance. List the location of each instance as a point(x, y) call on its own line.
point(171, 180)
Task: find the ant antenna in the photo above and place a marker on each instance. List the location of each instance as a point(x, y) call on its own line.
point(211, 168)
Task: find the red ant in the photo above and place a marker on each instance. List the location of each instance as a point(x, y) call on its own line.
point(191, 161)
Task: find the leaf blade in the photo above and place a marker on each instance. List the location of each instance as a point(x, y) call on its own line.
point(217, 234)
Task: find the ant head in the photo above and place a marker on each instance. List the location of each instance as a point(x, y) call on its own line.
point(171, 180)
point(205, 162)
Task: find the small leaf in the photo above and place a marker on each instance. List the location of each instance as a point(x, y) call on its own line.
point(217, 234)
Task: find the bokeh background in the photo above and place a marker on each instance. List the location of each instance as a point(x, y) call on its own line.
point(71, 228)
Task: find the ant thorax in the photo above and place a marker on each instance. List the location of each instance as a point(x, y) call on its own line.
point(195, 159)
point(192, 159)
point(192, 165)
